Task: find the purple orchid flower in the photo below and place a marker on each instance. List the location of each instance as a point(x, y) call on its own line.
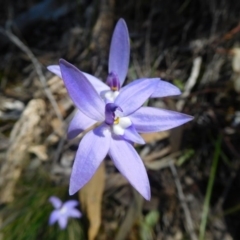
point(63, 211)
point(119, 111)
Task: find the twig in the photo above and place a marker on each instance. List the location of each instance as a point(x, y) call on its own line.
point(190, 82)
point(37, 67)
point(189, 223)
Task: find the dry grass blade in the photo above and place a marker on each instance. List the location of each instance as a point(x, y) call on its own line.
point(163, 162)
point(189, 223)
point(210, 189)
point(157, 155)
point(91, 200)
point(190, 82)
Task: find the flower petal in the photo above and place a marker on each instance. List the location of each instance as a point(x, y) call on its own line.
point(148, 119)
point(119, 51)
point(82, 92)
point(117, 129)
point(63, 221)
point(131, 134)
point(96, 83)
point(165, 89)
point(70, 204)
point(55, 69)
point(125, 122)
point(55, 201)
point(92, 150)
point(135, 94)
point(79, 123)
point(54, 217)
point(74, 213)
point(128, 162)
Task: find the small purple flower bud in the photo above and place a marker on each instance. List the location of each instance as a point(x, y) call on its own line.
point(113, 81)
point(110, 109)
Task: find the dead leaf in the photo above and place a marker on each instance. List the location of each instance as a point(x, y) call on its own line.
point(40, 151)
point(26, 132)
point(156, 136)
point(57, 126)
point(91, 199)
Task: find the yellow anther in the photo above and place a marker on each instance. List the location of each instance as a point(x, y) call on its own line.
point(116, 120)
point(114, 88)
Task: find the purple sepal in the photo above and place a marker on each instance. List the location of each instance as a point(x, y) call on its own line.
point(132, 135)
point(91, 152)
point(128, 162)
point(119, 51)
point(79, 123)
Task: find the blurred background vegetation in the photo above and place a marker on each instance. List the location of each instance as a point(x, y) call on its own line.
point(193, 169)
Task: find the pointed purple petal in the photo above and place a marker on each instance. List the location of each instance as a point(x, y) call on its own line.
point(131, 134)
point(55, 201)
point(165, 89)
point(92, 150)
point(70, 204)
point(128, 162)
point(148, 119)
point(63, 221)
point(82, 92)
point(55, 69)
point(119, 51)
point(96, 83)
point(135, 94)
point(53, 217)
point(74, 213)
point(79, 123)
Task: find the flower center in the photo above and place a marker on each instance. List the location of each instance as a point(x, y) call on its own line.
point(63, 210)
point(116, 120)
point(110, 109)
point(117, 124)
